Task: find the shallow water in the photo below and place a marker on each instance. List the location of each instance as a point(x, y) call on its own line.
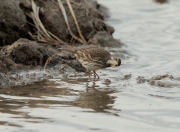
point(150, 32)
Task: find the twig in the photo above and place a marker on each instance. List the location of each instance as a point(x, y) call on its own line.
point(43, 35)
point(75, 20)
point(48, 60)
point(67, 23)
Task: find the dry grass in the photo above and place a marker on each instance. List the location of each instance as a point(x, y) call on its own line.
point(81, 40)
point(75, 20)
point(43, 35)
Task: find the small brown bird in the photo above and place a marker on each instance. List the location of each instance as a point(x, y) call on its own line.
point(94, 58)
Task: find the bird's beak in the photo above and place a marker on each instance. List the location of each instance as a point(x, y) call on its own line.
point(115, 64)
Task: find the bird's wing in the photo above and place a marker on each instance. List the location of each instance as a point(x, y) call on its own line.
point(96, 54)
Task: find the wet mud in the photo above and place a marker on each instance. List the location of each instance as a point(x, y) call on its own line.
point(166, 81)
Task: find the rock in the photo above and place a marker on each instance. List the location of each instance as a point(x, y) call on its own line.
point(15, 23)
point(165, 84)
point(107, 82)
point(161, 1)
point(166, 81)
point(12, 22)
point(90, 20)
point(105, 40)
point(141, 79)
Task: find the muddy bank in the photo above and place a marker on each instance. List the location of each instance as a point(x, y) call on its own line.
point(28, 50)
point(23, 62)
point(15, 22)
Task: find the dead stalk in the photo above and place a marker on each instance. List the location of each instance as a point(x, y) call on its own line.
point(43, 35)
point(48, 60)
point(75, 20)
point(67, 23)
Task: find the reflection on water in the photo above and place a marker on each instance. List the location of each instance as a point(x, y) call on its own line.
point(31, 95)
point(47, 95)
point(98, 100)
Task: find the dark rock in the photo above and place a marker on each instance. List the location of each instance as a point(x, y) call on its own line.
point(12, 22)
point(105, 40)
point(141, 79)
point(161, 1)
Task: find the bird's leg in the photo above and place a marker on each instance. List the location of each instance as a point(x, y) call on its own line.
point(89, 74)
point(96, 74)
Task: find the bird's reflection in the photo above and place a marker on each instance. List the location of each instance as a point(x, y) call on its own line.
point(96, 98)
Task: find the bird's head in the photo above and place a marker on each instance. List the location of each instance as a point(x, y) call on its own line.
point(113, 62)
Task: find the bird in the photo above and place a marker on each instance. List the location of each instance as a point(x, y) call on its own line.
point(94, 58)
